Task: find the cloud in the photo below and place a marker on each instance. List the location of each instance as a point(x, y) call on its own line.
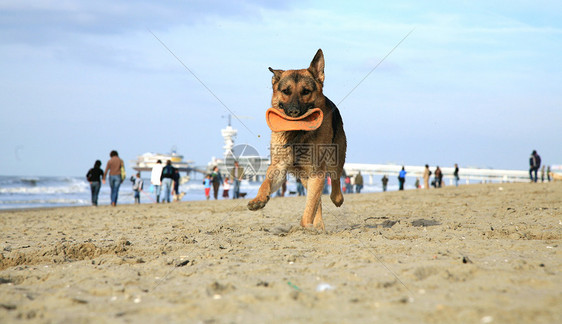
point(41, 22)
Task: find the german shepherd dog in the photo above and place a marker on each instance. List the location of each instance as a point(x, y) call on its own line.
point(310, 156)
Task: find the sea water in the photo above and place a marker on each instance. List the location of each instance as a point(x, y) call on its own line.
point(17, 192)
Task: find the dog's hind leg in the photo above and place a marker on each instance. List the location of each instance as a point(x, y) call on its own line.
point(336, 195)
point(314, 186)
point(274, 178)
point(318, 222)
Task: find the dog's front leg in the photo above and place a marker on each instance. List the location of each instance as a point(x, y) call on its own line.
point(314, 186)
point(274, 177)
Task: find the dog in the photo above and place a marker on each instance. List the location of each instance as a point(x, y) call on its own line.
point(312, 155)
point(555, 176)
point(179, 197)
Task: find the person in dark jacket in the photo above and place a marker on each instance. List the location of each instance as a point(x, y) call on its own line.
point(456, 175)
point(300, 187)
point(358, 182)
point(216, 179)
point(176, 191)
point(535, 164)
point(384, 181)
point(167, 178)
point(438, 177)
point(94, 176)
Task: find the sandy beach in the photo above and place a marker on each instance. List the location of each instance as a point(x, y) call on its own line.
point(486, 253)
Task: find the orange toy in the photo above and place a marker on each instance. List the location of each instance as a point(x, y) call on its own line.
point(279, 122)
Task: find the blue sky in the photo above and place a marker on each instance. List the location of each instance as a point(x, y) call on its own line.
point(478, 83)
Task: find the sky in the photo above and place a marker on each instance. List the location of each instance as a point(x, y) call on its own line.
point(478, 83)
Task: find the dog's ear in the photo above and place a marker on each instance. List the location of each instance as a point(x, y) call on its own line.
point(317, 66)
point(276, 75)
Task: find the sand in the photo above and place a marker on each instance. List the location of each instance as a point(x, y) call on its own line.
point(474, 254)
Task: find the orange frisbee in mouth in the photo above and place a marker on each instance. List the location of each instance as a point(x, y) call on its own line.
point(278, 121)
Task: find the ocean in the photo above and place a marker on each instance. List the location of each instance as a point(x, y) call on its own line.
point(17, 192)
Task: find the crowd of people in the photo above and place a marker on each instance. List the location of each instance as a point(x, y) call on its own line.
point(357, 182)
point(214, 181)
point(166, 178)
point(437, 182)
point(161, 177)
point(164, 181)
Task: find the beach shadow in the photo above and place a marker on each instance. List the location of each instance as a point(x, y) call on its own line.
point(285, 230)
point(386, 223)
point(425, 222)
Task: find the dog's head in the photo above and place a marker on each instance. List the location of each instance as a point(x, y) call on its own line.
point(297, 91)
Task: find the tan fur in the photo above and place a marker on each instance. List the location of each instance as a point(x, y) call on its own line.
point(555, 176)
point(179, 196)
point(303, 89)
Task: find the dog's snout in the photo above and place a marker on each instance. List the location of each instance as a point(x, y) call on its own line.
point(293, 111)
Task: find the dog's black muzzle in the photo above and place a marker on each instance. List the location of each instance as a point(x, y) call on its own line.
point(294, 109)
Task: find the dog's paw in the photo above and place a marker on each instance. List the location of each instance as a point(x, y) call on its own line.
point(319, 225)
point(258, 203)
point(337, 199)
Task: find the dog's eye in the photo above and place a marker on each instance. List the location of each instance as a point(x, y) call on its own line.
point(286, 91)
point(304, 92)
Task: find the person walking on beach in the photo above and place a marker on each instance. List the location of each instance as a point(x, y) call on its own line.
point(384, 181)
point(358, 182)
point(426, 175)
point(535, 164)
point(226, 187)
point(237, 172)
point(283, 188)
point(113, 168)
point(548, 173)
point(176, 191)
point(438, 177)
point(348, 185)
point(155, 179)
point(207, 186)
point(327, 185)
point(217, 181)
point(401, 179)
point(94, 176)
point(542, 173)
point(167, 178)
point(300, 187)
point(456, 175)
point(137, 187)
